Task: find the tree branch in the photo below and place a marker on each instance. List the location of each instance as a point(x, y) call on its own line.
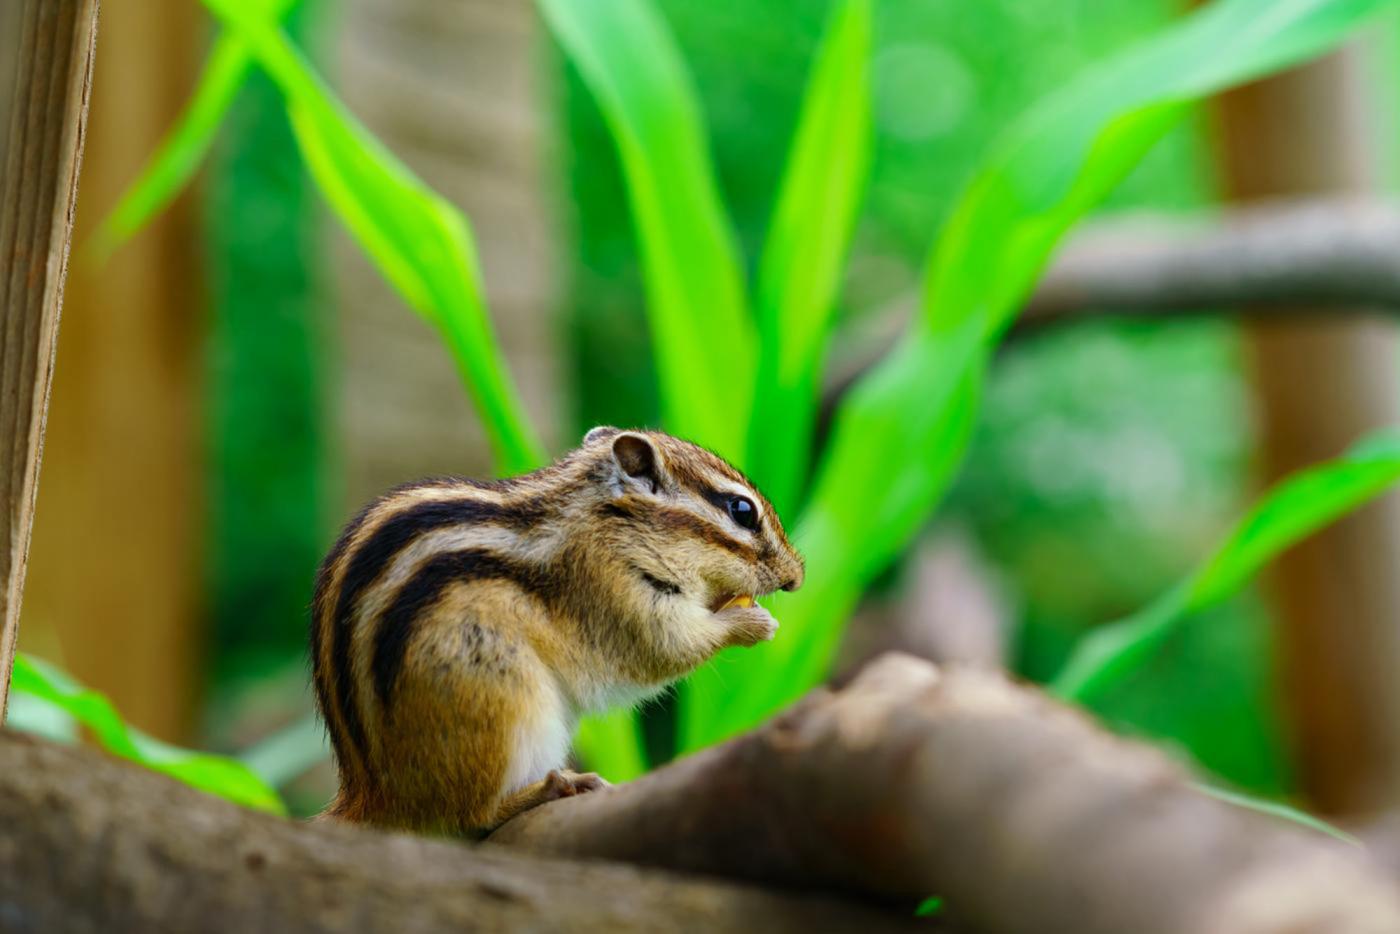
point(1275, 256)
point(1021, 813)
point(1270, 259)
point(91, 844)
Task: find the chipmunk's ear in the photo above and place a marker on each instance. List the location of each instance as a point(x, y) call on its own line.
point(598, 434)
point(637, 460)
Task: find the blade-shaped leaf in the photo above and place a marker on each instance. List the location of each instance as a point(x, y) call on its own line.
point(803, 256)
point(899, 434)
point(420, 242)
point(216, 775)
point(701, 331)
point(177, 158)
point(1296, 508)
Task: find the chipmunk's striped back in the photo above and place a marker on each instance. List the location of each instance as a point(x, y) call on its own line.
point(452, 615)
point(461, 521)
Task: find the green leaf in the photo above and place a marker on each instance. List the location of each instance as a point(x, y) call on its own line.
point(420, 242)
point(802, 265)
point(899, 435)
point(702, 335)
point(1294, 509)
point(177, 158)
point(216, 775)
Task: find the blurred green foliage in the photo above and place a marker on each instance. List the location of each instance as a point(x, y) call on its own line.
point(269, 353)
point(1122, 442)
point(947, 77)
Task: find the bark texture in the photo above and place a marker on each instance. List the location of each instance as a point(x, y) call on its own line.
point(911, 781)
point(90, 844)
point(1019, 812)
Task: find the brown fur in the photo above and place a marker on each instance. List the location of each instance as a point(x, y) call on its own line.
point(490, 616)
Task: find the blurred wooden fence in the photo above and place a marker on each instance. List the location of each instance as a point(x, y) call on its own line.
point(450, 87)
point(115, 568)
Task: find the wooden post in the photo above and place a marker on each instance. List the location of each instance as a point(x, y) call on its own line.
point(1319, 384)
point(37, 193)
point(118, 532)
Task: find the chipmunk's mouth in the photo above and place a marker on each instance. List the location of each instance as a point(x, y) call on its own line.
point(726, 600)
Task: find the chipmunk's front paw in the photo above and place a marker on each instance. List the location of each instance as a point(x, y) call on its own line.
point(564, 783)
point(749, 625)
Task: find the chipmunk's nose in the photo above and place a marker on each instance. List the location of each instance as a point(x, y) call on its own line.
point(792, 583)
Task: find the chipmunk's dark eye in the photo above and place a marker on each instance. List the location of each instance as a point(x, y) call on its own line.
point(742, 511)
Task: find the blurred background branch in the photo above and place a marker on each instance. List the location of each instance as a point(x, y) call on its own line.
point(1269, 260)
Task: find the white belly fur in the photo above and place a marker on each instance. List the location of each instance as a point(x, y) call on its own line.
point(541, 742)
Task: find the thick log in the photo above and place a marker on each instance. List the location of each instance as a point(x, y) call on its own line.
point(90, 844)
point(1018, 811)
point(38, 188)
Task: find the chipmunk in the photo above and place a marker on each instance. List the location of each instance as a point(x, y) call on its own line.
point(460, 628)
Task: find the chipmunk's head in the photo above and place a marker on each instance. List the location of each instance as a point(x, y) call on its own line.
point(700, 539)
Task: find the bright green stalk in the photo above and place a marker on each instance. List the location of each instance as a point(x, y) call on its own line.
point(804, 255)
point(702, 334)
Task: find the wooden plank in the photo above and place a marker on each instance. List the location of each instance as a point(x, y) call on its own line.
point(118, 544)
point(45, 142)
point(1318, 385)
